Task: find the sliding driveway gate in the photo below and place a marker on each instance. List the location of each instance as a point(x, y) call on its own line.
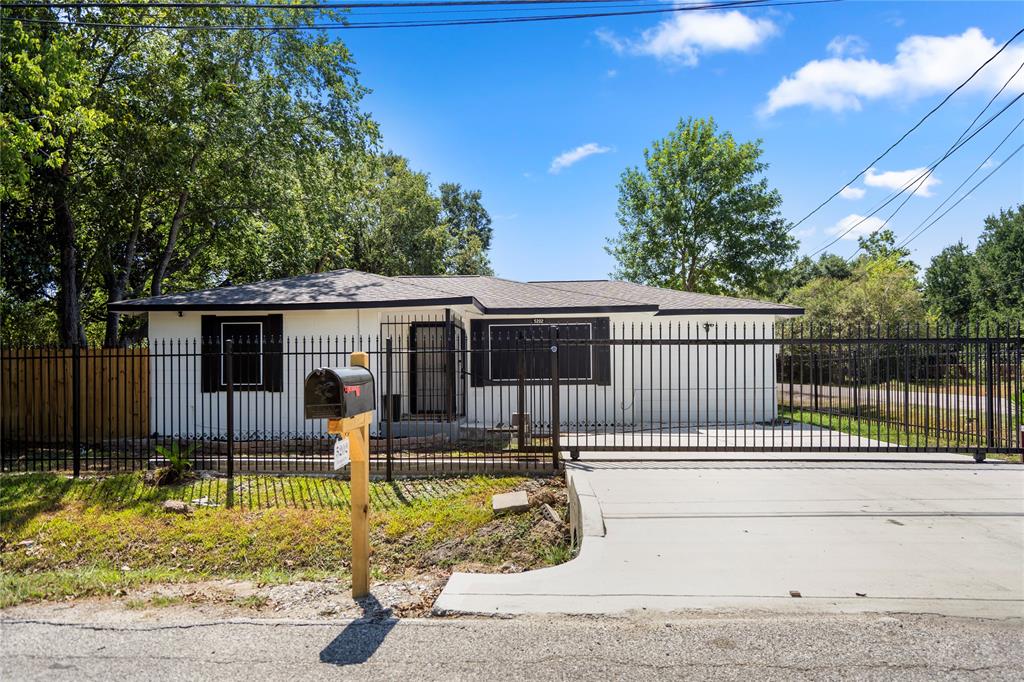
point(519, 398)
point(794, 389)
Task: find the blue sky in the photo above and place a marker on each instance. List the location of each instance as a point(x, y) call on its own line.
point(825, 87)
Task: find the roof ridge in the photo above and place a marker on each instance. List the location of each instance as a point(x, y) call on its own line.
point(702, 293)
point(431, 288)
point(602, 295)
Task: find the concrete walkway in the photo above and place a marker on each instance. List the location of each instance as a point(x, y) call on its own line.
point(851, 537)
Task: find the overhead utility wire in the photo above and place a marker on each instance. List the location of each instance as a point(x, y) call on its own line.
point(417, 23)
point(928, 172)
point(969, 192)
point(913, 233)
point(313, 6)
point(911, 130)
point(429, 8)
point(945, 156)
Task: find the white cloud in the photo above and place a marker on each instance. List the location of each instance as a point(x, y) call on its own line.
point(566, 159)
point(611, 73)
point(864, 226)
point(852, 192)
point(687, 35)
point(923, 65)
point(894, 19)
point(843, 46)
point(898, 180)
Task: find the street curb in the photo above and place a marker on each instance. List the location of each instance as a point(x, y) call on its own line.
point(585, 516)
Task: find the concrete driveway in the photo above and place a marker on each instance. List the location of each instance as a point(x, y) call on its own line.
point(943, 538)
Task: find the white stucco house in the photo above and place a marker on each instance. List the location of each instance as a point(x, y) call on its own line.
point(282, 329)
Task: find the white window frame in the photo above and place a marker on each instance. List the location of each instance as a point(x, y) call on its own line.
point(490, 352)
point(222, 336)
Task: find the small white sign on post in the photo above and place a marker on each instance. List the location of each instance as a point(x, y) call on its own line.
point(341, 453)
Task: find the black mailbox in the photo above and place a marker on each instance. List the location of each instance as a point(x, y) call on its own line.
point(339, 392)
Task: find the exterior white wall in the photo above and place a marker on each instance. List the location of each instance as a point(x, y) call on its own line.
point(681, 386)
point(697, 384)
point(313, 338)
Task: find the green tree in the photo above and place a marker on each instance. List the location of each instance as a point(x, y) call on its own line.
point(805, 269)
point(148, 159)
point(700, 216)
point(469, 225)
point(50, 118)
point(880, 290)
point(948, 293)
point(997, 278)
point(882, 244)
point(138, 162)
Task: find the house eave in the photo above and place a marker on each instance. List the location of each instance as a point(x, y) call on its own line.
point(326, 305)
point(732, 311)
point(568, 310)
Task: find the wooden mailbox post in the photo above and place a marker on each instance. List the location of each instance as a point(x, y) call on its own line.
point(333, 394)
point(357, 430)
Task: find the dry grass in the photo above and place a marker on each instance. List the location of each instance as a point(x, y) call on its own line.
point(63, 538)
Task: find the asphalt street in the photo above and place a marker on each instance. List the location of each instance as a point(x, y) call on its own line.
point(637, 646)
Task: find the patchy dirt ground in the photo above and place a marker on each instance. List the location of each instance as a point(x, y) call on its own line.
point(410, 566)
point(224, 598)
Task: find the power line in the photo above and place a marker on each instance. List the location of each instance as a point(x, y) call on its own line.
point(915, 232)
point(927, 174)
point(969, 192)
point(952, 150)
point(306, 6)
point(420, 23)
point(297, 6)
point(912, 129)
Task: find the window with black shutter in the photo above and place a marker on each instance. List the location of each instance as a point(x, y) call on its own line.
point(255, 363)
point(582, 358)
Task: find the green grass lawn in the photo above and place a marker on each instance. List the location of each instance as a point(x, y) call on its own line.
point(892, 432)
point(64, 538)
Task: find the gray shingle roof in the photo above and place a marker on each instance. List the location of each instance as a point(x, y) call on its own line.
point(335, 289)
point(504, 296)
point(490, 295)
point(671, 301)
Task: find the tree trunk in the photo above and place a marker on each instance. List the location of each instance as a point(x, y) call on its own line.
point(160, 271)
point(69, 310)
point(691, 271)
point(117, 284)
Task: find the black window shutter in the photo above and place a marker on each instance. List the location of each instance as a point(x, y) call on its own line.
point(273, 353)
point(210, 343)
point(478, 355)
point(602, 353)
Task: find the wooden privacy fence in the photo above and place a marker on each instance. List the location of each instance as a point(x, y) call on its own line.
point(37, 387)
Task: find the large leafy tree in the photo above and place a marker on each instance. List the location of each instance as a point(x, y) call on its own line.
point(157, 153)
point(469, 227)
point(880, 287)
point(947, 285)
point(997, 275)
point(137, 162)
point(880, 290)
point(700, 215)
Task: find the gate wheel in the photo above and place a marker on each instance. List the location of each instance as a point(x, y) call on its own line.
point(574, 454)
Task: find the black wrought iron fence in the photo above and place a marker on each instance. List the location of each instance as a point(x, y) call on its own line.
point(517, 398)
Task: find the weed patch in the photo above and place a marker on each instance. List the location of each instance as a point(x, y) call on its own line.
point(62, 538)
